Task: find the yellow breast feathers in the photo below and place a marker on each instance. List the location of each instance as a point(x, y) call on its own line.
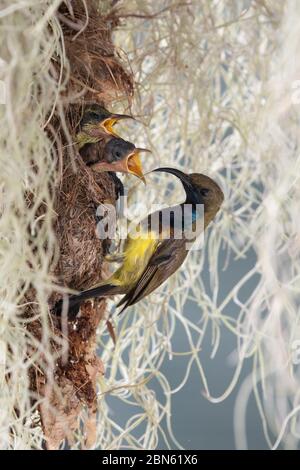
point(138, 249)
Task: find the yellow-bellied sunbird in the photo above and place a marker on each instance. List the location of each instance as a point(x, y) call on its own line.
point(97, 124)
point(154, 254)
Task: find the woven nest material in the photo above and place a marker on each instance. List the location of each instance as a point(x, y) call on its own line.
point(68, 385)
point(81, 251)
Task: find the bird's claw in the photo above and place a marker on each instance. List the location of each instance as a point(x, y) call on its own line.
point(114, 258)
point(119, 188)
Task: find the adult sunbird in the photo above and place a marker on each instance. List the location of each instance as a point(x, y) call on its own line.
point(97, 124)
point(154, 253)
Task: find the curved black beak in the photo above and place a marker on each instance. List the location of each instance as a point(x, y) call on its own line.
point(192, 195)
point(119, 117)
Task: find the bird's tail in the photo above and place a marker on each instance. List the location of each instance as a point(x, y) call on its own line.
point(74, 301)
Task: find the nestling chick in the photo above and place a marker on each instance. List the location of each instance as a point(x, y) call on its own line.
point(121, 156)
point(97, 124)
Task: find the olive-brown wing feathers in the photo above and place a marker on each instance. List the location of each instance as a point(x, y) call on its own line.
point(168, 257)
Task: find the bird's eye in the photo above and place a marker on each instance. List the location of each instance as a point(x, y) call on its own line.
point(204, 192)
point(117, 154)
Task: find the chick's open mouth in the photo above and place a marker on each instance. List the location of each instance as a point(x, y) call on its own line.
point(108, 126)
point(134, 166)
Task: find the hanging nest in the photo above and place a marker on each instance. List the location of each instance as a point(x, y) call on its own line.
point(66, 385)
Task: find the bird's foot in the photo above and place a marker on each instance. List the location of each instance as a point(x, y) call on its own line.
point(114, 257)
point(119, 188)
